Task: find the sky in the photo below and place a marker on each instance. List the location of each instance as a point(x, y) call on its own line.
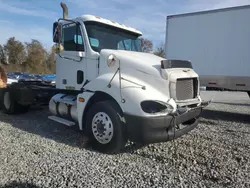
point(33, 19)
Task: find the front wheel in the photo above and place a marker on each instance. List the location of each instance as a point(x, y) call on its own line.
point(105, 129)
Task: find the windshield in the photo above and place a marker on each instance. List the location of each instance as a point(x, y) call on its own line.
point(102, 36)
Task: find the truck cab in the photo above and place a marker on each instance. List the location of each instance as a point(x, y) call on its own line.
point(113, 91)
point(83, 39)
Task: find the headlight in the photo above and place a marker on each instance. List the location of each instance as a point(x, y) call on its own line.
point(155, 106)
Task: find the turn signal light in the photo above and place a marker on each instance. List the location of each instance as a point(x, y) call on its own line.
point(81, 99)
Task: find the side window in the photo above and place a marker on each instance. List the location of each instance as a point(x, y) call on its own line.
point(120, 46)
point(127, 44)
point(94, 42)
point(78, 39)
point(72, 39)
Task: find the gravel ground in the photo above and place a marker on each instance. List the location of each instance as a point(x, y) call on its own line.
point(36, 152)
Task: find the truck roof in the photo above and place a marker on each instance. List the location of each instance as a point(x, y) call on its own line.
point(88, 17)
point(208, 11)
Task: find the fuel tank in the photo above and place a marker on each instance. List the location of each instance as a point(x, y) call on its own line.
point(64, 106)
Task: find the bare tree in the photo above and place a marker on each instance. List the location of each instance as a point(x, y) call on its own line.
point(36, 56)
point(2, 55)
point(160, 51)
point(15, 51)
point(51, 59)
point(146, 45)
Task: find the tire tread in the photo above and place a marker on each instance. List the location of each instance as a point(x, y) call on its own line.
point(119, 140)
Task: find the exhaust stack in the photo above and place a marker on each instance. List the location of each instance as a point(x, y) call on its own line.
point(65, 10)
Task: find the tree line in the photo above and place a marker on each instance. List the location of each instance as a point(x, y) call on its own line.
point(29, 57)
point(32, 57)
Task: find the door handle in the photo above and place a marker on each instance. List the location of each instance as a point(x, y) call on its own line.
point(64, 81)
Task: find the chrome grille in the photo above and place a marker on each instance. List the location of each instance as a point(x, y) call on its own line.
point(186, 88)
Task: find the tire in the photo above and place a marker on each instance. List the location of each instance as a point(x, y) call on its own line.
point(10, 106)
point(112, 139)
point(248, 93)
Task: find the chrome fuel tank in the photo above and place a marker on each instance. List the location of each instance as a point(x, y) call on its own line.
point(64, 106)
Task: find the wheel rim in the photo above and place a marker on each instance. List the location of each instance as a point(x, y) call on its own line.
point(7, 100)
point(102, 128)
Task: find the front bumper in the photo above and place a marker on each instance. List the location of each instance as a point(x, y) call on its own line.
point(148, 130)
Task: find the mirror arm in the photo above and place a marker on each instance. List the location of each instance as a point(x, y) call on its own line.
point(59, 40)
point(77, 24)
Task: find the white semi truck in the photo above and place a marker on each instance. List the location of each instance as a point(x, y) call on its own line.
point(217, 42)
point(110, 89)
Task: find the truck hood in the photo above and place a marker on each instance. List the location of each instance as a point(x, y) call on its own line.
point(140, 61)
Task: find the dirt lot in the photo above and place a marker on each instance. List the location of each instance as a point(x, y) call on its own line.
point(36, 152)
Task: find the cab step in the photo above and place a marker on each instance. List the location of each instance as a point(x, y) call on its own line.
point(61, 120)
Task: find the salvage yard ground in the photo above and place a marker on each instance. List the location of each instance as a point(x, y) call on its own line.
point(36, 152)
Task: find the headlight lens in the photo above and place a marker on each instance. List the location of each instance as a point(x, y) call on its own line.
point(154, 106)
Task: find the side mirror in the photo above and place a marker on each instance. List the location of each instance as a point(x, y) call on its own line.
point(57, 37)
point(56, 32)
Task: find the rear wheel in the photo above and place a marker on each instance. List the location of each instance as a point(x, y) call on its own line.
point(105, 130)
point(10, 106)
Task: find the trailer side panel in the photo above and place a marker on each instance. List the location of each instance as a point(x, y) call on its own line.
point(216, 42)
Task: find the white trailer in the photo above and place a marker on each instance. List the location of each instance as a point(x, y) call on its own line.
point(110, 89)
point(217, 42)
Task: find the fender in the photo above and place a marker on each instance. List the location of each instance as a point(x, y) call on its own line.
point(99, 84)
point(104, 83)
point(81, 105)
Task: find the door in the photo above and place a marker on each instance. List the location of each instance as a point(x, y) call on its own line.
point(71, 62)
